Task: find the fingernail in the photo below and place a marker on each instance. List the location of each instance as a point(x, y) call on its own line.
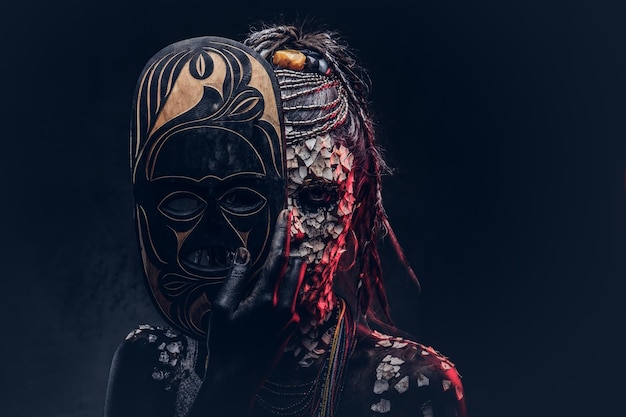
point(242, 256)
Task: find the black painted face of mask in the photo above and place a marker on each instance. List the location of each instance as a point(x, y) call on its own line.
point(207, 154)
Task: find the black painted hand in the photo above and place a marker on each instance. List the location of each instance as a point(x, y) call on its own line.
point(248, 330)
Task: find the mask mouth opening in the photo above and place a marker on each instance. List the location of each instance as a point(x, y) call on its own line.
point(209, 259)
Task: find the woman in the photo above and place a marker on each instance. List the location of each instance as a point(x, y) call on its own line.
point(257, 188)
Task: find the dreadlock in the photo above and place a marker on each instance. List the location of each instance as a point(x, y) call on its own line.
point(369, 220)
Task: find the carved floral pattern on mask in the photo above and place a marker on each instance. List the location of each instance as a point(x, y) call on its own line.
point(320, 195)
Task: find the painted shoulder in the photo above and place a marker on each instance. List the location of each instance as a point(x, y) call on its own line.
point(391, 376)
point(153, 373)
point(169, 354)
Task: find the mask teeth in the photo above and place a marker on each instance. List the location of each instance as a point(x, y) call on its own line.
point(211, 257)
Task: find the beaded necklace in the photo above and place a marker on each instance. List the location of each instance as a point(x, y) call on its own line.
point(340, 351)
point(319, 397)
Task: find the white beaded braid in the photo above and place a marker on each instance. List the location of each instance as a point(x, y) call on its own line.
point(296, 90)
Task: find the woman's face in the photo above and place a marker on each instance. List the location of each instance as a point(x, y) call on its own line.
point(320, 195)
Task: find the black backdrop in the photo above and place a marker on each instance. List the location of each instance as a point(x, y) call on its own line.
point(504, 121)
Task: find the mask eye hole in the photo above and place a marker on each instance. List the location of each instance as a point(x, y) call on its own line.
point(182, 206)
point(242, 201)
point(314, 197)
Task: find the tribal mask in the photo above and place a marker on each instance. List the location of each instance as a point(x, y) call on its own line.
point(208, 170)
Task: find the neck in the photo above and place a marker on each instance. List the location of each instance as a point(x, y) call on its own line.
point(320, 353)
point(313, 337)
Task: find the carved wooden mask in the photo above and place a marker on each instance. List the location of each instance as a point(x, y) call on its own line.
point(207, 159)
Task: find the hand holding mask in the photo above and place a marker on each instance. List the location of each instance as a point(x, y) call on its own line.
point(248, 331)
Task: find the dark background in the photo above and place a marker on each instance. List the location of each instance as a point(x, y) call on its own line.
point(504, 121)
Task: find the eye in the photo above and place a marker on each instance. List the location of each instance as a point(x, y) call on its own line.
point(242, 200)
point(182, 206)
point(314, 197)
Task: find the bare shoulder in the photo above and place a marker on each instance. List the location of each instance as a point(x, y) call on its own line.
point(391, 376)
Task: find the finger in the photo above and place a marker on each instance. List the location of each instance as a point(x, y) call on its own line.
point(233, 289)
point(280, 239)
point(279, 251)
point(286, 291)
